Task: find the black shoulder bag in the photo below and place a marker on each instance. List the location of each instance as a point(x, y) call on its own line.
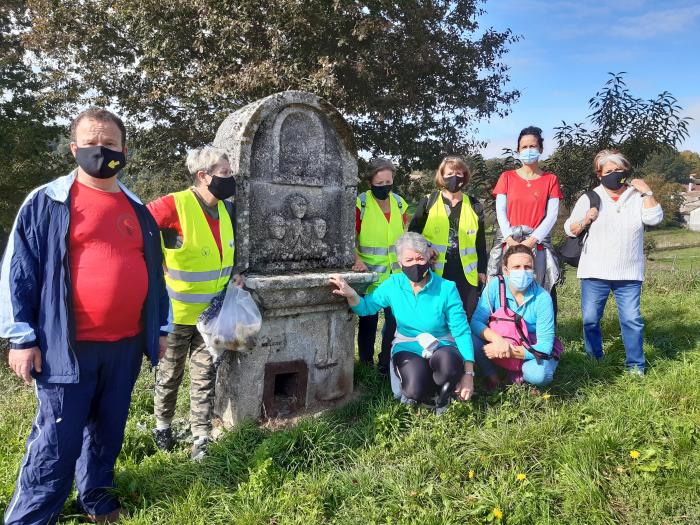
point(570, 251)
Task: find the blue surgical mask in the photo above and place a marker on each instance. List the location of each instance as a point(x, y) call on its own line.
point(529, 156)
point(520, 280)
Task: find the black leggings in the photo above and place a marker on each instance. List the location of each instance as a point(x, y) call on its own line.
point(468, 293)
point(420, 378)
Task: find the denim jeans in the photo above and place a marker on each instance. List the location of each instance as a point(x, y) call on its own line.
point(594, 295)
point(538, 374)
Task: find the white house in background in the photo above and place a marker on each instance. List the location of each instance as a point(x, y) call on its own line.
point(690, 209)
point(694, 220)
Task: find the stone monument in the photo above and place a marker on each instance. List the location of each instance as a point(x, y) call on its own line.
point(296, 168)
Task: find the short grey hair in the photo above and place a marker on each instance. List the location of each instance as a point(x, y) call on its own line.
point(379, 164)
point(204, 159)
point(610, 155)
point(414, 241)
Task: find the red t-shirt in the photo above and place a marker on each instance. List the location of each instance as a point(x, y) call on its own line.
point(387, 215)
point(527, 205)
point(109, 280)
point(165, 214)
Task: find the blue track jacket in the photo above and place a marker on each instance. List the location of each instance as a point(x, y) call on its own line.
point(35, 289)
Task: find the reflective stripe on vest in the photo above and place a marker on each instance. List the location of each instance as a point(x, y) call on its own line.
point(198, 277)
point(196, 272)
point(377, 235)
point(191, 298)
point(437, 231)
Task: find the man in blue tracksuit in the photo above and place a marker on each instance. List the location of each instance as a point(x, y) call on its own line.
point(82, 298)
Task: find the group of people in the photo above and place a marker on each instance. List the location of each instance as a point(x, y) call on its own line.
point(453, 310)
point(92, 279)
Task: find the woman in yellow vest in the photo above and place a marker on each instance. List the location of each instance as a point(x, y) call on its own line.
point(454, 225)
point(380, 218)
point(198, 246)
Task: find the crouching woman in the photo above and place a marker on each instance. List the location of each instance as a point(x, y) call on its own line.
point(513, 325)
point(432, 353)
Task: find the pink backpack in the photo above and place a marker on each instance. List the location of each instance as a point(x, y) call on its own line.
point(512, 327)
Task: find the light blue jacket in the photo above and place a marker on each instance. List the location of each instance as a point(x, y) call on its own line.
point(437, 309)
point(537, 312)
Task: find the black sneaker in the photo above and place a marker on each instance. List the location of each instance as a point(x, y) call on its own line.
point(199, 448)
point(445, 394)
point(164, 438)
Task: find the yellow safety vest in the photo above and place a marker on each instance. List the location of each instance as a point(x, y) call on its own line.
point(195, 273)
point(437, 231)
point(377, 236)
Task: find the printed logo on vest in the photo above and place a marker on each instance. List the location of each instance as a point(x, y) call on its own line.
point(206, 251)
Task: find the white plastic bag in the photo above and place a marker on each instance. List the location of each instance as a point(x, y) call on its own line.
point(230, 322)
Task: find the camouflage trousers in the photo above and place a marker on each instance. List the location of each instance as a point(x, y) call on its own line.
point(186, 340)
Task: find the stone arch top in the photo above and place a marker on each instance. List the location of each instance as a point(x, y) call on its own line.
point(291, 143)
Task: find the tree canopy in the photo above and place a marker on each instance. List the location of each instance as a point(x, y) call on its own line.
point(30, 153)
point(412, 77)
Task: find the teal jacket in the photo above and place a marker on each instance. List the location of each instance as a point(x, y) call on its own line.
point(437, 309)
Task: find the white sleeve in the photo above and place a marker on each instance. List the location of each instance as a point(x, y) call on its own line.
point(502, 215)
point(549, 220)
point(652, 216)
point(577, 214)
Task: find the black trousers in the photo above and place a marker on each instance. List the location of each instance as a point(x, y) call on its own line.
point(421, 378)
point(367, 335)
point(468, 293)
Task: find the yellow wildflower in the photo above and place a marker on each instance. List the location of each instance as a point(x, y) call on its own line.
point(634, 454)
point(497, 513)
point(546, 396)
point(472, 474)
point(521, 477)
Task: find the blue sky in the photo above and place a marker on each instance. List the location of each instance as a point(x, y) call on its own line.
point(567, 48)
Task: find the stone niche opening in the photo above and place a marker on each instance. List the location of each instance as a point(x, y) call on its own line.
point(285, 387)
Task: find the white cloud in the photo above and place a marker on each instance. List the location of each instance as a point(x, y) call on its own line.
point(658, 22)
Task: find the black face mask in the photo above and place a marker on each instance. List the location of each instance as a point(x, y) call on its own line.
point(222, 187)
point(615, 180)
point(453, 184)
point(381, 192)
point(100, 162)
point(416, 272)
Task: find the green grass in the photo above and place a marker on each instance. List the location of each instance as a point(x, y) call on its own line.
point(684, 258)
point(673, 238)
point(375, 461)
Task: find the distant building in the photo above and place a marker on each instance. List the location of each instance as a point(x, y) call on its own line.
point(690, 209)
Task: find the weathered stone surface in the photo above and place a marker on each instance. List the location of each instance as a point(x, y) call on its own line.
point(302, 320)
point(297, 176)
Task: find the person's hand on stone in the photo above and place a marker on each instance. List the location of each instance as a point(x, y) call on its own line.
point(359, 265)
point(238, 280)
point(343, 289)
point(22, 362)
